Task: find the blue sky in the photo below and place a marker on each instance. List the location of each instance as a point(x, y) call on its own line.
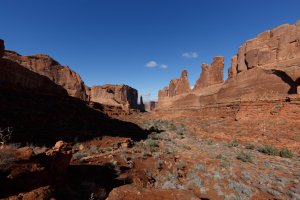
point(112, 41)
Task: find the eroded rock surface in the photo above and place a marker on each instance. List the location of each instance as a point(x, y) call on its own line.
point(211, 73)
point(117, 95)
point(46, 66)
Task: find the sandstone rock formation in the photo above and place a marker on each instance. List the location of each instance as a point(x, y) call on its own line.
point(270, 47)
point(176, 86)
point(268, 65)
point(211, 73)
point(117, 95)
point(16, 77)
point(182, 86)
point(150, 106)
point(163, 93)
point(48, 67)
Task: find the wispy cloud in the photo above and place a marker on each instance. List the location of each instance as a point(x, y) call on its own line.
point(163, 66)
point(190, 55)
point(151, 64)
point(146, 95)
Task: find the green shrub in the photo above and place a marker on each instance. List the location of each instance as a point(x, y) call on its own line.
point(151, 144)
point(269, 150)
point(250, 146)
point(245, 157)
point(285, 153)
point(234, 143)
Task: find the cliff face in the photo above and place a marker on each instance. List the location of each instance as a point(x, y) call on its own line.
point(46, 66)
point(117, 95)
point(211, 73)
point(275, 46)
point(268, 65)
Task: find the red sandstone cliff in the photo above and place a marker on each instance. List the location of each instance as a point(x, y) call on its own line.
point(117, 95)
point(46, 66)
point(40, 73)
point(268, 65)
point(211, 73)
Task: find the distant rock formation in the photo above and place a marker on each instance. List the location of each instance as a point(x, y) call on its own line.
point(176, 86)
point(46, 66)
point(183, 85)
point(163, 93)
point(268, 65)
point(150, 106)
point(211, 73)
point(43, 74)
point(117, 95)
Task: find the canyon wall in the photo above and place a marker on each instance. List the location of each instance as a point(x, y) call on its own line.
point(41, 73)
point(46, 66)
point(117, 95)
point(267, 66)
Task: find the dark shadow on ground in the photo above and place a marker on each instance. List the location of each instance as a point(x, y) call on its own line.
point(43, 119)
point(83, 180)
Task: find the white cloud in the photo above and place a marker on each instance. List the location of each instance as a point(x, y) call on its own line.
point(163, 66)
point(146, 95)
point(192, 87)
point(151, 64)
point(190, 55)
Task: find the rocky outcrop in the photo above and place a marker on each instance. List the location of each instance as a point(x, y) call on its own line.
point(268, 65)
point(183, 85)
point(270, 47)
point(29, 169)
point(117, 95)
point(163, 93)
point(150, 106)
point(16, 77)
point(1, 48)
point(211, 74)
point(45, 66)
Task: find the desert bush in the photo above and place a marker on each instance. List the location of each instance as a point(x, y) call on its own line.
point(163, 125)
point(5, 135)
point(225, 163)
point(245, 157)
point(250, 146)
point(233, 143)
point(285, 153)
point(243, 191)
point(269, 150)
point(152, 145)
point(209, 142)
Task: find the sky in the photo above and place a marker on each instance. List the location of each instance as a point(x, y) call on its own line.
point(141, 43)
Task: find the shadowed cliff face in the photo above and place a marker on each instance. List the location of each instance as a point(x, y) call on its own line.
point(46, 66)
